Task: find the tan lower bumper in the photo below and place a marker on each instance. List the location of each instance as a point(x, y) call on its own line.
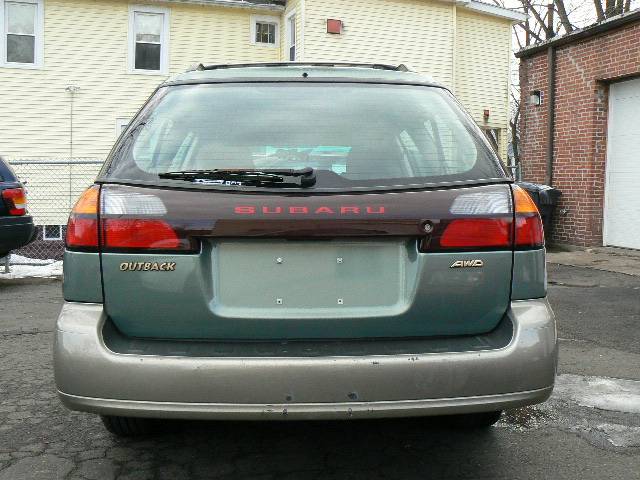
point(306, 411)
point(92, 378)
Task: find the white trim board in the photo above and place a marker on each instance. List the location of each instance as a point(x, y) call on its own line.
point(492, 10)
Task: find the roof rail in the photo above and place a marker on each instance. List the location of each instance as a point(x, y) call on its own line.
point(375, 66)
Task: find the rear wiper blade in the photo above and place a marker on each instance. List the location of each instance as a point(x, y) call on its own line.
point(250, 177)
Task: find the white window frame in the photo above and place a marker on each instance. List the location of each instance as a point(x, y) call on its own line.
point(265, 19)
point(47, 238)
point(38, 33)
point(291, 15)
point(164, 40)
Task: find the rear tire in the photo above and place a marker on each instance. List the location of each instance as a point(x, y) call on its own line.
point(128, 426)
point(478, 420)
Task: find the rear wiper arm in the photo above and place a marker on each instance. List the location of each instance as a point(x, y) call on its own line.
point(250, 177)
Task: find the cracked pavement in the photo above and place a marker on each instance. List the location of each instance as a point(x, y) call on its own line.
point(565, 438)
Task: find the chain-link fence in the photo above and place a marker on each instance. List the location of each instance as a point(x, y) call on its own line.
point(53, 186)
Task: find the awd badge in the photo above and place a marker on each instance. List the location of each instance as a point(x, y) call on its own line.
point(468, 264)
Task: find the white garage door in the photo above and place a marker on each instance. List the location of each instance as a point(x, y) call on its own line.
point(622, 190)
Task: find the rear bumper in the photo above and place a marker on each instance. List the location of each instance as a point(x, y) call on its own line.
point(306, 411)
point(92, 378)
point(15, 232)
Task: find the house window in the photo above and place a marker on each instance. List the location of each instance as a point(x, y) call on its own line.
point(22, 34)
point(149, 40)
point(265, 31)
point(52, 232)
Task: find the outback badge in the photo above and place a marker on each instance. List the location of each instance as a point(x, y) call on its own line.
point(147, 267)
point(468, 264)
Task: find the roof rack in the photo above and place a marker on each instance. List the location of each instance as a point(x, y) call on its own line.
point(375, 66)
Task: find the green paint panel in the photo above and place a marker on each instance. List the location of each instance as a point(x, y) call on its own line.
point(231, 290)
point(529, 275)
point(82, 281)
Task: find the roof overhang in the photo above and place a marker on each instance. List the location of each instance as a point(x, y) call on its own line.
point(474, 5)
point(257, 5)
point(493, 10)
point(577, 35)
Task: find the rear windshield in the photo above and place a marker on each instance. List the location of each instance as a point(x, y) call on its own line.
point(353, 135)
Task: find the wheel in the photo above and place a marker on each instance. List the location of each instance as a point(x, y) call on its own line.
point(128, 426)
point(475, 420)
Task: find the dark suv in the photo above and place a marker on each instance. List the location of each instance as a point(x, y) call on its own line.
point(16, 227)
point(303, 242)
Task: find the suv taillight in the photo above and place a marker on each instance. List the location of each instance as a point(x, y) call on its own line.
point(16, 201)
point(529, 230)
point(82, 228)
point(138, 221)
point(126, 222)
point(477, 233)
point(140, 233)
point(489, 225)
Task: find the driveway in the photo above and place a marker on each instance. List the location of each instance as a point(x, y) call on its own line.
point(590, 429)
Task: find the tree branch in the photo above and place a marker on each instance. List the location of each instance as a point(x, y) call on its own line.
point(564, 18)
point(538, 18)
point(599, 10)
point(517, 38)
point(610, 8)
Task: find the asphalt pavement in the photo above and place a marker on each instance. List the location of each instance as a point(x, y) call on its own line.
point(590, 429)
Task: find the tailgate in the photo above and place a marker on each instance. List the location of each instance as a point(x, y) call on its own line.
point(255, 267)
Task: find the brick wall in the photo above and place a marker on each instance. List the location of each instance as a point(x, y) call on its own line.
point(584, 70)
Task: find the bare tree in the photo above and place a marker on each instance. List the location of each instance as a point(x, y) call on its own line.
point(514, 128)
point(552, 17)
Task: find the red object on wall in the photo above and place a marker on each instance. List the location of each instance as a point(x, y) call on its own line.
point(334, 26)
point(486, 114)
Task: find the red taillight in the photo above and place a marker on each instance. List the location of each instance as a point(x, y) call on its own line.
point(16, 200)
point(529, 231)
point(529, 228)
point(140, 233)
point(122, 223)
point(82, 232)
point(82, 228)
point(477, 233)
point(487, 222)
point(138, 221)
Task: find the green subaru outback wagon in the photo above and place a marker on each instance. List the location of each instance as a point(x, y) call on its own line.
point(303, 241)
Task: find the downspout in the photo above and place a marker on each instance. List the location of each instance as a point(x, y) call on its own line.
point(551, 106)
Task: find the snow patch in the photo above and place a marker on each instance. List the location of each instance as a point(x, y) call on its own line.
point(613, 394)
point(50, 270)
point(20, 260)
point(621, 435)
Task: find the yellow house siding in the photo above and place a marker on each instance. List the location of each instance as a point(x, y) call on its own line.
point(86, 44)
point(417, 33)
point(483, 50)
point(210, 35)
